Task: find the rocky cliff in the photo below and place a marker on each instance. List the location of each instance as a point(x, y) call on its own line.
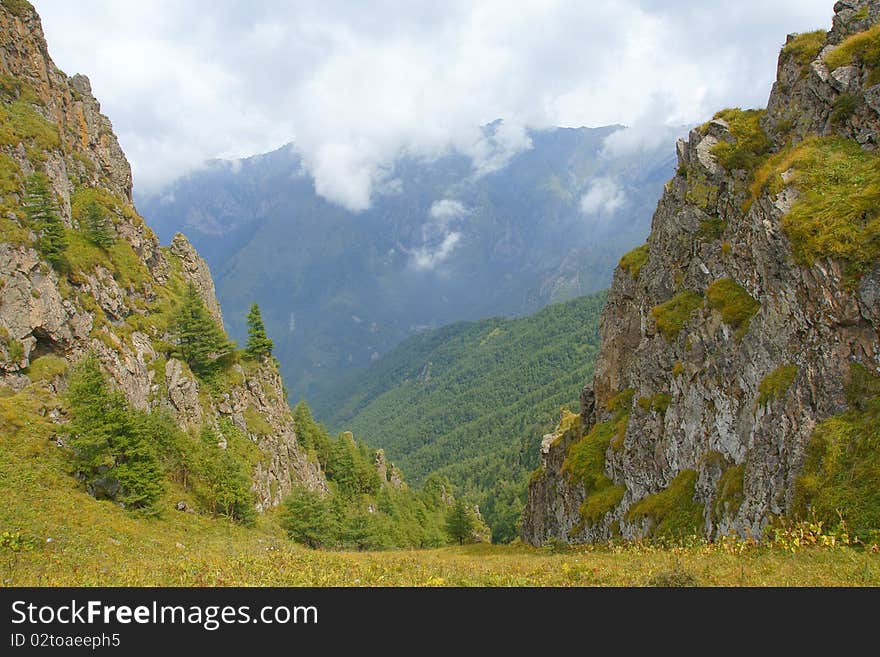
point(748, 320)
point(114, 301)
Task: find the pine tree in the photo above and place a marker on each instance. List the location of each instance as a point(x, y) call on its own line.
point(459, 522)
point(258, 343)
point(226, 486)
point(200, 341)
point(96, 223)
point(42, 216)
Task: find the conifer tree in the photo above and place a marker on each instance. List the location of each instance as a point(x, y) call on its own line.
point(42, 216)
point(96, 223)
point(459, 522)
point(113, 445)
point(258, 343)
point(200, 341)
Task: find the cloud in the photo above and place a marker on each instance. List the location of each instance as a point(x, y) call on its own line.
point(426, 258)
point(447, 209)
point(604, 196)
point(358, 85)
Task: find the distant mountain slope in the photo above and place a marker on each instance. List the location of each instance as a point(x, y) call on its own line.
point(461, 399)
point(439, 244)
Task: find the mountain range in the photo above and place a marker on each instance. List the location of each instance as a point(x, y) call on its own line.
point(442, 242)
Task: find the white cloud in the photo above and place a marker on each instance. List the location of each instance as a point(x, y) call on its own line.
point(604, 196)
point(447, 209)
point(427, 258)
point(357, 85)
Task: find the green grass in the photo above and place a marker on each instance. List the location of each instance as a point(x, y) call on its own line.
point(736, 305)
point(672, 512)
point(837, 214)
point(776, 384)
point(635, 260)
point(46, 368)
point(672, 315)
point(804, 48)
point(256, 423)
point(751, 142)
point(859, 49)
point(21, 123)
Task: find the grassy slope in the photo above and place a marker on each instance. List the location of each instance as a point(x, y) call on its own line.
point(98, 543)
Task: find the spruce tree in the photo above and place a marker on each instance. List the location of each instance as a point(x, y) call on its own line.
point(459, 522)
point(200, 341)
point(115, 451)
point(42, 216)
point(96, 223)
point(258, 343)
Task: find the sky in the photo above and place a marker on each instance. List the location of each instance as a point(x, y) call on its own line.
point(357, 84)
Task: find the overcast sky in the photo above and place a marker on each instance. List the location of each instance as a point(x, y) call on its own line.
point(356, 83)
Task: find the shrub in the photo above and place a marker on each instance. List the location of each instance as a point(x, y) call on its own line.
point(46, 368)
point(736, 305)
point(672, 315)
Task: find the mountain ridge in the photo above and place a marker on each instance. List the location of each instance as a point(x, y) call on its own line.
point(737, 375)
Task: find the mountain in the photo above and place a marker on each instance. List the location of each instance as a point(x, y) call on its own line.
point(737, 379)
point(118, 386)
point(441, 242)
point(112, 297)
point(458, 400)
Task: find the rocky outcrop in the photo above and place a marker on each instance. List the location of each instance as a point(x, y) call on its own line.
point(116, 303)
point(196, 271)
point(688, 399)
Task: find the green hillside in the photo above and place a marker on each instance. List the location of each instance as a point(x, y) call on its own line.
point(472, 400)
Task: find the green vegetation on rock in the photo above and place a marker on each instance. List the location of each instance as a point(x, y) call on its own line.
point(776, 384)
point(635, 260)
point(729, 497)
point(751, 143)
point(585, 460)
point(736, 305)
point(862, 49)
point(673, 512)
point(842, 464)
point(804, 48)
point(837, 213)
point(200, 341)
point(672, 315)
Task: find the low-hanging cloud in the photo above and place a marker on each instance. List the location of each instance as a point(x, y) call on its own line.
point(356, 86)
point(447, 209)
point(428, 258)
point(603, 197)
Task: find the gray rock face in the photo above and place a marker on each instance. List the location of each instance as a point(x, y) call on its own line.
point(716, 419)
point(98, 311)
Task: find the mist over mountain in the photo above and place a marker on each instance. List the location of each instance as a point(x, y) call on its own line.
point(539, 221)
